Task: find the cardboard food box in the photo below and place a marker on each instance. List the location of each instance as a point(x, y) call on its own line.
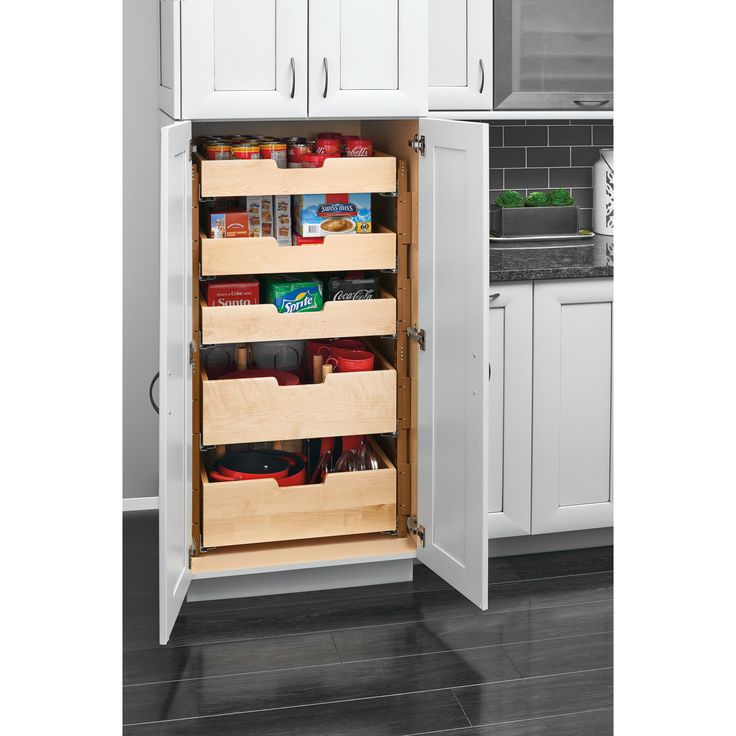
point(301, 240)
point(352, 286)
point(317, 215)
point(294, 293)
point(227, 225)
point(282, 219)
point(266, 216)
point(233, 292)
point(253, 208)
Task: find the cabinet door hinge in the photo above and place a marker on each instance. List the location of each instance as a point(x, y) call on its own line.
point(192, 353)
point(417, 335)
point(418, 144)
point(415, 528)
point(192, 550)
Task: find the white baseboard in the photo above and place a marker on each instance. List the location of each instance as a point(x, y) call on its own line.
point(536, 543)
point(144, 503)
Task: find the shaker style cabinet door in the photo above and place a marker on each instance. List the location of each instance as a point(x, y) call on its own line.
point(175, 374)
point(243, 59)
point(452, 415)
point(367, 59)
point(510, 410)
point(571, 471)
point(460, 54)
point(169, 67)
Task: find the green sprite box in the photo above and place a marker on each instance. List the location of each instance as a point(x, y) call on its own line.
point(294, 293)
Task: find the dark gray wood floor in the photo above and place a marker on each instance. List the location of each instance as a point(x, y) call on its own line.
point(408, 658)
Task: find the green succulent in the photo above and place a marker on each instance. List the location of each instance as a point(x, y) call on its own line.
point(561, 198)
point(537, 199)
point(510, 198)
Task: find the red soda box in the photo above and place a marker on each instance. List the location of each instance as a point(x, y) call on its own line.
point(233, 292)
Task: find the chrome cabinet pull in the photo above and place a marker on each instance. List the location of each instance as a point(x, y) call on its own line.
point(591, 103)
point(293, 78)
point(327, 75)
point(482, 76)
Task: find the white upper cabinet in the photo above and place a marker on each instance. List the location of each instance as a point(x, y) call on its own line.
point(243, 59)
point(460, 54)
point(367, 59)
point(572, 405)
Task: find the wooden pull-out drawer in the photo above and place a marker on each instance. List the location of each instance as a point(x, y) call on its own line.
point(233, 256)
point(254, 511)
point(238, 178)
point(261, 322)
point(259, 410)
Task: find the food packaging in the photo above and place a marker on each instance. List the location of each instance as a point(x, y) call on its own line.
point(294, 293)
point(317, 215)
point(282, 219)
point(266, 216)
point(301, 240)
point(354, 286)
point(253, 207)
point(227, 225)
point(233, 292)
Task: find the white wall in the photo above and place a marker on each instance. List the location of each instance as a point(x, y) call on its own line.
point(140, 245)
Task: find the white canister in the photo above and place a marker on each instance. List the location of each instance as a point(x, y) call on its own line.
point(603, 193)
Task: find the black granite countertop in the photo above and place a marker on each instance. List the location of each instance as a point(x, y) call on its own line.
point(535, 260)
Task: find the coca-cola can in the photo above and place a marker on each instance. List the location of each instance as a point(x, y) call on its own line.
point(344, 141)
point(358, 147)
point(327, 145)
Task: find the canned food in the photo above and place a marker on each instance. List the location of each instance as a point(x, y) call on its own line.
point(316, 160)
point(327, 145)
point(217, 149)
point(275, 151)
point(246, 150)
point(295, 149)
point(344, 140)
point(358, 147)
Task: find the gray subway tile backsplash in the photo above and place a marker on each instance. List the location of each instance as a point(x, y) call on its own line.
point(556, 153)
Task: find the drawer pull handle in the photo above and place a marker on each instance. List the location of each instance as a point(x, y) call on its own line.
point(293, 78)
point(482, 76)
point(150, 393)
point(591, 103)
point(327, 76)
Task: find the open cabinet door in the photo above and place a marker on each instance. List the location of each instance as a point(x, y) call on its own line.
point(453, 366)
point(175, 374)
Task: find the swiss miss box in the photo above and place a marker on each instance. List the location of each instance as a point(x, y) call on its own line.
point(317, 215)
point(232, 292)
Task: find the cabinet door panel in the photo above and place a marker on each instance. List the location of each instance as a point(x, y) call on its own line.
point(367, 60)
point(452, 417)
point(510, 418)
point(244, 59)
point(572, 405)
point(175, 374)
point(460, 54)
point(169, 83)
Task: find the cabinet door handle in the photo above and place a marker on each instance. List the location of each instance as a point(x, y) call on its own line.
point(327, 76)
point(293, 78)
point(150, 393)
point(482, 76)
point(591, 103)
point(492, 298)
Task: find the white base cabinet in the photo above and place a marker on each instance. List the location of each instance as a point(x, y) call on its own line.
point(550, 407)
point(571, 468)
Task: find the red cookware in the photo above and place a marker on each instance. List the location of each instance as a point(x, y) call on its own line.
point(354, 360)
point(297, 472)
point(283, 377)
point(251, 465)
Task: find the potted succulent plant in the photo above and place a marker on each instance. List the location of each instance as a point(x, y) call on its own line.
point(539, 213)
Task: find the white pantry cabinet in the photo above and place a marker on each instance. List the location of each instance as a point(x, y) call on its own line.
point(248, 59)
point(571, 471)
point(510, 406)
point(460, 55)
point(431, 384)
point(550, 407)
point(367, 59)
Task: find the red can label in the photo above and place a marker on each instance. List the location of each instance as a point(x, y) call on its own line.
point(328, 146)
point(295, 153)
point(359, 147)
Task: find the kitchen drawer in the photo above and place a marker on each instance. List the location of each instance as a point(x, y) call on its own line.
point(260, 322)
point(254, 511)
point(259, 410)
point(238, 178)
point(233, 256)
